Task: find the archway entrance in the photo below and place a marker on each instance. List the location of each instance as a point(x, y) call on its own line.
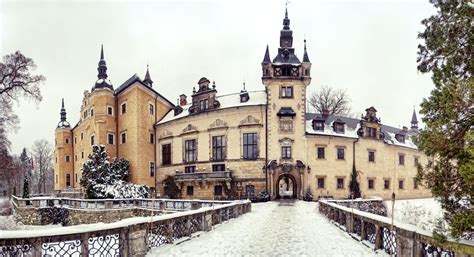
point(286, 187)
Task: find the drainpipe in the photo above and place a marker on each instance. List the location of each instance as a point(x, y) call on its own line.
point(266, 145)
point(353, 157)
point(154, 143)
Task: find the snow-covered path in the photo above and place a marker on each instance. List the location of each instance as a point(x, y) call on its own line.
point(272, 229)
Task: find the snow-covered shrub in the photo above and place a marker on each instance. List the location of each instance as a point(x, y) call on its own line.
point(104, 179)
point(5, 207)
point(54, 215)
point(263, 196)
point(308, 196)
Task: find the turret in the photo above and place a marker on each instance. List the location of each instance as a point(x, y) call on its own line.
point(63, 123)
point(63, 170)
point(147, 79)
point(306, 64)
point(102, 81)
point(414, 120)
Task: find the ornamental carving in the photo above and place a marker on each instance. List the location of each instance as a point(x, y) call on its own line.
point(218, 124)
point(165, 133)
point(250, 120)
point(190, 128)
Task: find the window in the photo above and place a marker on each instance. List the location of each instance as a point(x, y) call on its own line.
point(92, 112)
point(218, 167)
point(321, 153)
point(218, 190)
point(250, 190)
point(340, 153)
point(166, 154)
point(386, 184)
point(286, 92)
point(370, 183)
point(110, 139)
point(320, 182)
point(82, 155)
point(372, 132)
point(92, 140)
point(110, 110)
point(250, 146)
point(286, 152)
point(318, 125)
point(339, 127)
point(340, 183)
point(68, 180)
point(152, 138)
point(75, 157)
point(124, 137)
point(189, 169)
point(75, 140)
point(416, 160)
point(68, 158)
point(400, 184)
point(82, 135)
point(401, 159)
point(190, 150)
point(218, 148)
point(400, 138)
point(204, 104)
point(67, 140)
point(124, 108)
point(152, 169)
point(151, 109)
point(371, 156)
point(190, 190)
point(415, 183)
point(85, 114)
point(75, 177)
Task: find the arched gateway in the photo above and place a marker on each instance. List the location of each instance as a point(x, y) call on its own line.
point(286, 186)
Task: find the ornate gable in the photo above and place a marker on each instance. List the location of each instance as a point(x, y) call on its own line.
point(250, 121)
point(217, 124)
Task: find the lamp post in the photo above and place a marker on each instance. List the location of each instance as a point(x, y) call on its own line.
point(393, 214)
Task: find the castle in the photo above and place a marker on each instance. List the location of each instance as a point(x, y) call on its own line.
point(222, 146)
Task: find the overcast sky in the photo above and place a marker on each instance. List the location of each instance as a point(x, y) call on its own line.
point(366, 47)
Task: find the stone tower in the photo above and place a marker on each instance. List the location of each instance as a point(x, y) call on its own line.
point(285, 79)
point(63, 153)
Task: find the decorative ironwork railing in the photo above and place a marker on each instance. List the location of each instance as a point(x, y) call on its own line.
point(398, 239)
point(129, 237)
point(162, 204)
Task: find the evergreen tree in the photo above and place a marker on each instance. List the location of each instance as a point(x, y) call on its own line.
point(104, 179)
point(26, 188)
point(354, 184)
point(26, 170)
point(448, 113)
point(172, 189)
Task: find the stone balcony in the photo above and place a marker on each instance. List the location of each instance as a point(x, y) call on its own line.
point(216, 176)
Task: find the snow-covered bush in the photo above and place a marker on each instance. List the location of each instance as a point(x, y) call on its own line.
point(54, 215)
point(104, 179)
point(263, 196)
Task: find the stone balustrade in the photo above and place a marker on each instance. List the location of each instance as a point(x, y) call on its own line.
point(129, 237)
point(203, 176)
point(398, 239)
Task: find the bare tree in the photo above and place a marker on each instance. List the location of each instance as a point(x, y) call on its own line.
point(331, 101)
point(43, 158)
point(17, 82)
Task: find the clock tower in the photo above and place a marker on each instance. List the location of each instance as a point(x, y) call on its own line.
point(285, 79)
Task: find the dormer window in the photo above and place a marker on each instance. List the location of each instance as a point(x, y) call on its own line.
point(372, 132)
point(338, 126)
point(204, 104)
point(318, 125)
point(400, 138)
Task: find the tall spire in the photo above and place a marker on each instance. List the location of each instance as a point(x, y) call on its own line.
point(266, 58)
point(286, 21)
point(63, 123)
point(305, 55)
point(102, 81)
point(147, 79)
point(414, 120)
point(102, 69)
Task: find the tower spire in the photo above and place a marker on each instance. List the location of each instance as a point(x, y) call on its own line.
point(102, 81)
point(266, 58)
point(286, 21)
point(63, 122)
point(414, 120)
point(305, 55)
point(147, 79)
point(102, 51)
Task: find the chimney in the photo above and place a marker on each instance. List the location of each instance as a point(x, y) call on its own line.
point(325, 112)
point(182, 100)
point(405, 128)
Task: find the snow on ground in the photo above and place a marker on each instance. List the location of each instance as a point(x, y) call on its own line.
point(272, 229)
point(423, 213)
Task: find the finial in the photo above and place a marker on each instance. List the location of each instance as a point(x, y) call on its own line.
point(244, 84)
point(62, 104)
point(102, 52)
point(194, 90)
point(148, 79)
point(266, 57)
point(213, 84)
point(286, 9)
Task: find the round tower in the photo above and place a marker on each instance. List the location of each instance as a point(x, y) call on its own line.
point(63, 163)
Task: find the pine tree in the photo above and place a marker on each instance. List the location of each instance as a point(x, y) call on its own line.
point(172, 189)
point(354, 184)
point(448, 113)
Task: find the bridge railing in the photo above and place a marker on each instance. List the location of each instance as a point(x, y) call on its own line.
point(400, 239)
point(128, 237)
point(171, 204)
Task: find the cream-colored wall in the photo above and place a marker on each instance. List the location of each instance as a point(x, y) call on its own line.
point(61, 167)
point(233, 123)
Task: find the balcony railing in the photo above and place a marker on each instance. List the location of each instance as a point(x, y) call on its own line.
point(203, 176)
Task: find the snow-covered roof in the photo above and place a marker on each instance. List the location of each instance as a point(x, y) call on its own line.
point(226, 101)
point(352, 125)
